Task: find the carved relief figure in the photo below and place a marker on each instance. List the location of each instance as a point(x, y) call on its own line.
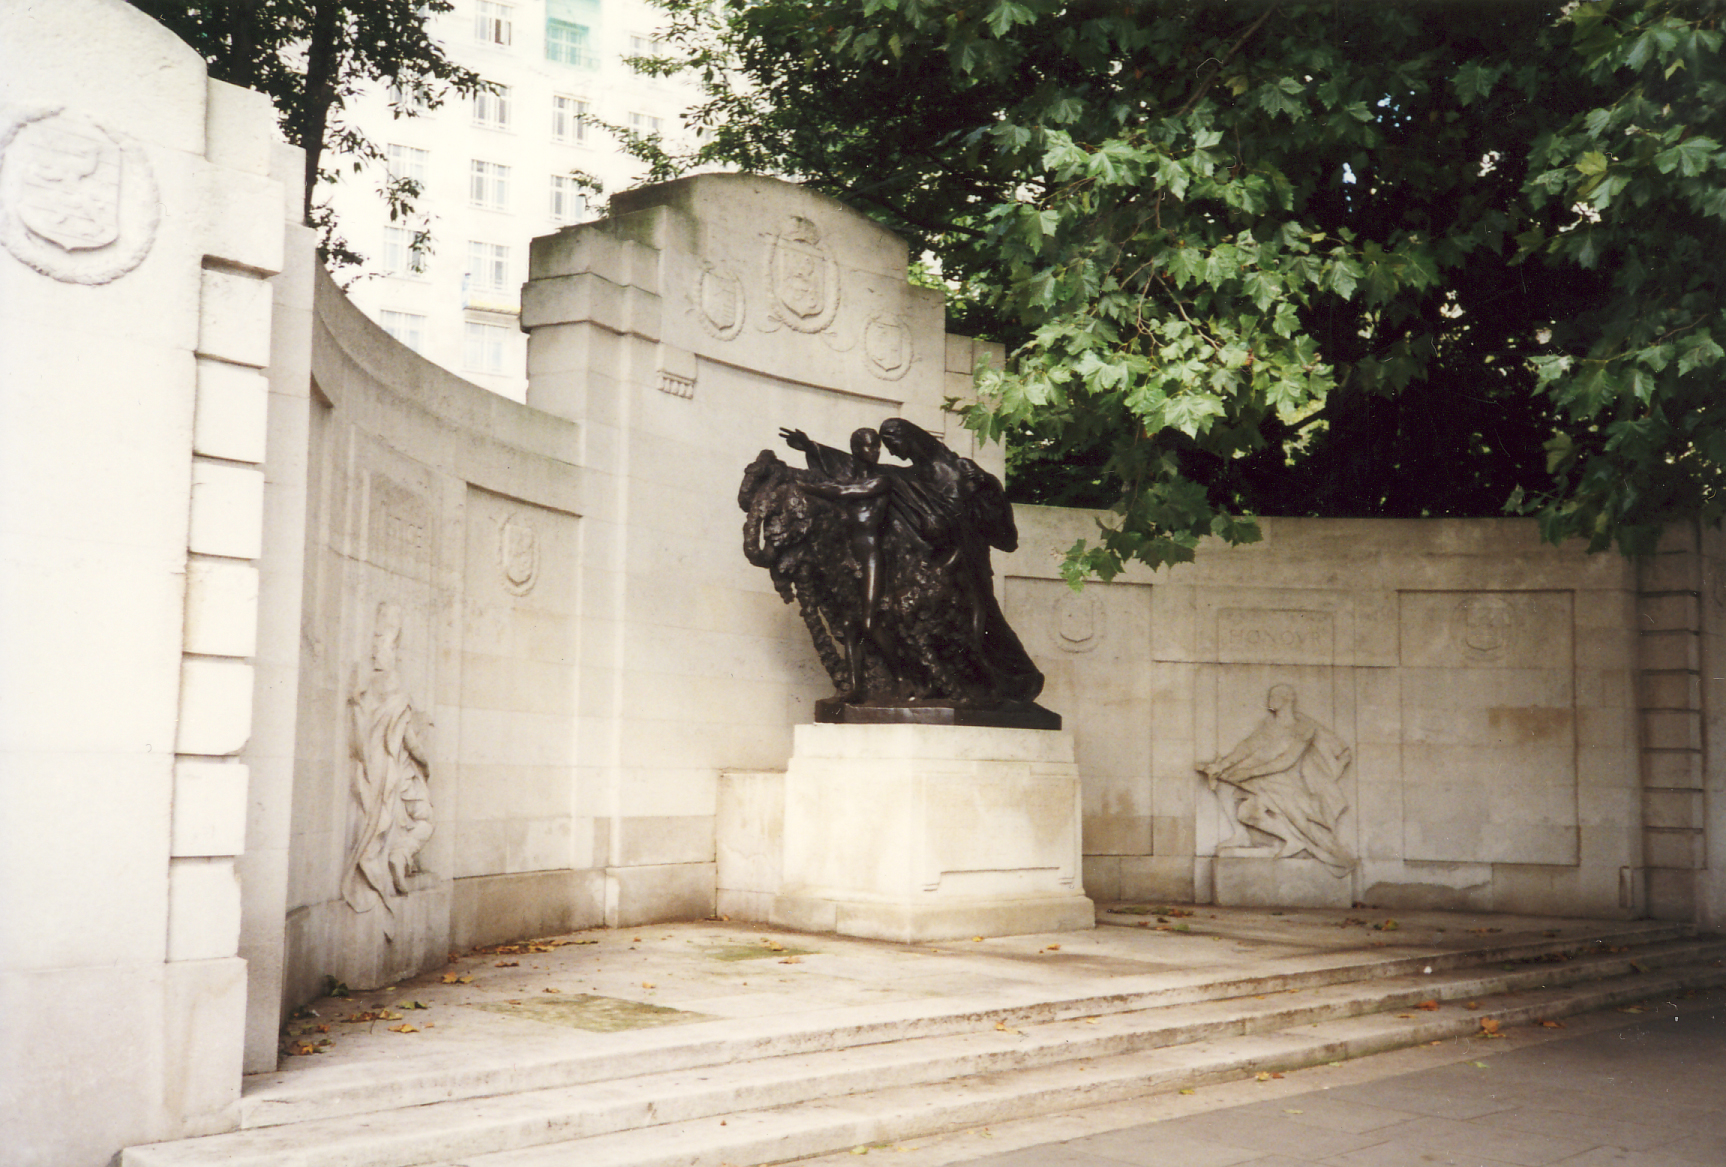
point(1286, 783)
point(392, 800)
point(889, 567)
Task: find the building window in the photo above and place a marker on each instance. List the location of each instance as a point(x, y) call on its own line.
point(487, 268)
point(569, 44)
point(491, 108)
point(407, 162)
point(643, 123)
point(491, 23)
point(408, 101)
point(405, 327)
point(568, 119)
point(568, 201)
point(488, 185)
point(643, 46)
point(404, 252)
point(482, 347)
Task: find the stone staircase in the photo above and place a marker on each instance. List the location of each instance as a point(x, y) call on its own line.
point(723, 1094)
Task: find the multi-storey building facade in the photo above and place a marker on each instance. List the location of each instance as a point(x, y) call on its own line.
point(498, 169)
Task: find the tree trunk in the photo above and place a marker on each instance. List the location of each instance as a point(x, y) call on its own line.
point(323, 67)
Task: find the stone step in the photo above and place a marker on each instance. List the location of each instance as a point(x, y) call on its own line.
point(302, 1096)
point(895, 1114)
point(477, 1126)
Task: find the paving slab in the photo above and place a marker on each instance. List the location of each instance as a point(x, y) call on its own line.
point(1641, 1086)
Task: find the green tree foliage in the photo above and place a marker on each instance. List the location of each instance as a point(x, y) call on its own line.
point(310, 57)
point(1285, 258)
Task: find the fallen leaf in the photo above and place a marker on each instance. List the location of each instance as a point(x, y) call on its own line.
point(1472, 1005)
point(791, 960)
point(1189, 1090)
point(1632, 1009)
point(1291, 1110)
point(648, 985)
point(1262, 1076)
point(1406, 1016)
point(404, 1027)
point(976, 940)
point(386, 1015)
point(412, 1005)
point(1053, 948)
point(1429, 1006)
point(1274, 1075)
point(507, 964)
point(450, 978)
point(1002, 1026)
point(1478, 1065)
point(551, 990)
point(1092, 1020)
point(1552, 1024)
point(859, 1150)
point(1489, 1027)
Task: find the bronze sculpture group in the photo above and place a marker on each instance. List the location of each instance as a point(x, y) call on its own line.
point(889, 567)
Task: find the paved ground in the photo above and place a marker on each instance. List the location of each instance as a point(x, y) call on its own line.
point(1644, 1087)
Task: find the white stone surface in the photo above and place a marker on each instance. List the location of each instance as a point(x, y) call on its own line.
point(232, 412)
point(221, 608)
point(909, 832)
point(215, 706)
point(209, 809)
point(227, 510)
point(203, 912)
point(234, 318)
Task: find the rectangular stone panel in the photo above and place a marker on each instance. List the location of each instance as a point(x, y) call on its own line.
point(1489, 727)
point(1094, 649)
point(514, 805)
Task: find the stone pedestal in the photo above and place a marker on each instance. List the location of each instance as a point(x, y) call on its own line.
point(931, 832)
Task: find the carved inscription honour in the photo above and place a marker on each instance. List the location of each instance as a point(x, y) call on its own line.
point(719, 302)
point(804, 277)
point(887, 346)
point(76, 203)
point(518, 554)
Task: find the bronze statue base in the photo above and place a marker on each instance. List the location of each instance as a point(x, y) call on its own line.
point(1021, 715)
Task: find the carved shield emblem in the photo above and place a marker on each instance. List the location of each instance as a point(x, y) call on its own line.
point(1485, 624)
point(76, 203)
point(1078, 621)
point(518, 554)
point(68, 182)
point(719, 300)
point(804, 277)
point(887, 347)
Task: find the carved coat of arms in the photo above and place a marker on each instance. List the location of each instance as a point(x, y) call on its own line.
point(720, 303)
point(518, 554)
point(75, 203)
point(887, 347)
point(804, 277)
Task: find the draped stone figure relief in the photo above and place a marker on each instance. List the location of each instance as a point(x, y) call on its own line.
point(889, 567)
point(1284, 782)
point(392, 812)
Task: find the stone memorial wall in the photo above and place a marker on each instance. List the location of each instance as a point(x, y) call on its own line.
point(321, 661)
